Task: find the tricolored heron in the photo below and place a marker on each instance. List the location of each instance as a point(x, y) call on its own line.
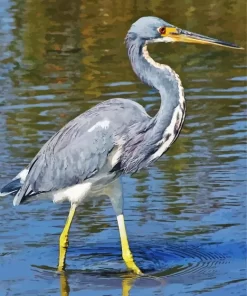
point(89, 154)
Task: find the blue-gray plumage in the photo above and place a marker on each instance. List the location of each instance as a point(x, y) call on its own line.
point(76, 153)
point(88, 155)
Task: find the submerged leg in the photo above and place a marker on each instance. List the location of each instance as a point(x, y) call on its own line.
point(114, 191)
point(64, 238)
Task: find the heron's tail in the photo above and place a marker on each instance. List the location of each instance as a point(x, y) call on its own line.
point(12, 187)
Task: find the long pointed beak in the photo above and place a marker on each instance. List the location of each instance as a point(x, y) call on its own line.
point(179, 35)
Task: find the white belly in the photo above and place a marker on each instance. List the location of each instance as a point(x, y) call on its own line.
point(75, 194)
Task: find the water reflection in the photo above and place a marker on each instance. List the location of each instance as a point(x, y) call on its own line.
point(127, 284)
point(64, 285)
point(59, 59)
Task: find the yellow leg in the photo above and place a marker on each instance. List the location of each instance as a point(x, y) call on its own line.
point(64, 239)
point(126, 253)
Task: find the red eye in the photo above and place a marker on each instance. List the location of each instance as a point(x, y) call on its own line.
point(162, 30)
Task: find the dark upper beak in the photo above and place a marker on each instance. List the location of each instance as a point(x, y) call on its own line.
point(178, 35)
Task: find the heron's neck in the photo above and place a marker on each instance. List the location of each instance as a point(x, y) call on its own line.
point(160, 77)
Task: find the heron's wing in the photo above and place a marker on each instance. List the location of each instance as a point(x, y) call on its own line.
point(80, 149)
point(71, 160)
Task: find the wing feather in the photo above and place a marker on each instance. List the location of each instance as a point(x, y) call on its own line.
point(80, 149)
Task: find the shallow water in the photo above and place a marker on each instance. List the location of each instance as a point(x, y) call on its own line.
point(185, 215)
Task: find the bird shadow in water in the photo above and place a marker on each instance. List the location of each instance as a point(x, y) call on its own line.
point(71, 280)
point(127, 283)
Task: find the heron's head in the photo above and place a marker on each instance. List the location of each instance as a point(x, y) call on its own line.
point(152, 29)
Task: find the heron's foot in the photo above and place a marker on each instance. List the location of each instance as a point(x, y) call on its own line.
point(130, 263)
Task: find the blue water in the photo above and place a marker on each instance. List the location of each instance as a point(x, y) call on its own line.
point(186, 214)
